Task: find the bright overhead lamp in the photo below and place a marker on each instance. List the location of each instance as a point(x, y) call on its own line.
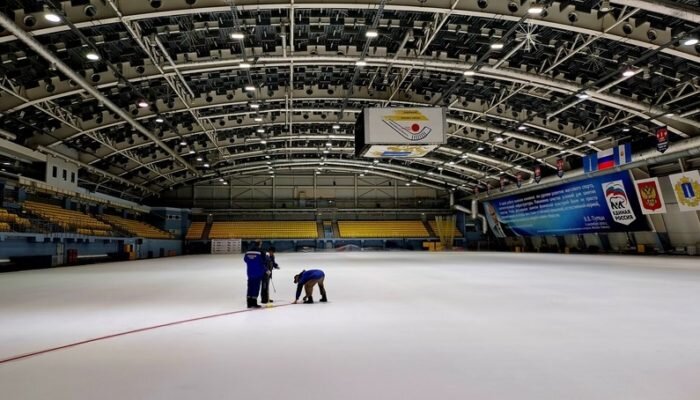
point(430, 173)
point(254, 106)
point(362, 174)
point(238, 35)
point(591, 141)
point(414, 181)
point(199, 159)
point(535, 9)
point(250, 88)
point(257, 119)
point(92, 56)
point(142, 104)
point(670, 114)
point(318, 172)
point(263, 142)
point(582, 96)
point(480, 148)
point(329, 144)
point(192, 151)
point(244, 65)
point(625, 129)
point(260, 130)
point(630, 72)
point(539, 160)
point(267, 157)
point(522, 128)
point(221, 179)
point(225, 183)
point(183, 143)
point(499, 139)
point(440, 168)
point(206, 165)
point(336, 127)
point(376, 161)
point(160, 120)
point(464, 155)
point(496, 46)
point(371, 34)
point(360, 63)
point(408, 184)
point(451, 163)
point(325, 151)
point(690, 41)
point(52, 16)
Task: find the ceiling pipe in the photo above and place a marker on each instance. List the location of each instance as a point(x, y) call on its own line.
point(66, 70)
point(686, 148)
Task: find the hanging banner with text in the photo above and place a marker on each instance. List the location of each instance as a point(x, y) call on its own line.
point(597, 205)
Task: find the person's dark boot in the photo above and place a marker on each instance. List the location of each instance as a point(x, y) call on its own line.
point(253, 302)
point(308, 300)
point(324, 299)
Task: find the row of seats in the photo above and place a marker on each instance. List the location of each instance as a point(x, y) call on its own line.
point(5, 227)
point(67, 219)
point(382, 229)
point(136, 228)
point(92, 232)
point(433, 226)
point(195, 231)
point(9, 219)
point(264, 230)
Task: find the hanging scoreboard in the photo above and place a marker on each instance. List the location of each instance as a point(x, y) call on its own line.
point(399, 132)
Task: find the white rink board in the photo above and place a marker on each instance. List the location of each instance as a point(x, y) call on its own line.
point(226, 246)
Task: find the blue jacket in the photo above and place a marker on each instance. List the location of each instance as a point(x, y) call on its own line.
point(308, 276)
point(255, 260)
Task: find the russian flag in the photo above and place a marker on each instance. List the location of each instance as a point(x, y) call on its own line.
point(606, 159)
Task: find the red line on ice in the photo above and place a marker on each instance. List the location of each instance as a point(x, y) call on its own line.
point(114, 335)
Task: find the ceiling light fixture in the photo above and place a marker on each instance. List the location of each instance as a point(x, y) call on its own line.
point(52, 16)
point(183, 143)
point(192, 151)
point(257, 119)
point(360, 63)
point(254, 106)
point(480, 148)
point(371, 34)
point(263, 142)
point(690, 41)
point(469, 73)
point(142, 104)
point(250, 88)
point(582, 96)
point(238, 35)
point(206, 165)
point(329, 144)
point(496, 46)
point(499, 139)
point(260, 130)
point(336, 127)
point(160, 120)
point(244, 65)
point(199, 158)
point(92, 56)
point(522, 128)
point(535, 9)
point(625, 129)
point(630, 72)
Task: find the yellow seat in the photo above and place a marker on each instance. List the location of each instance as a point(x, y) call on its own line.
point(195, 231)
point(433, 226)
point(137, 228)
point(264, 230)
point(382, 229)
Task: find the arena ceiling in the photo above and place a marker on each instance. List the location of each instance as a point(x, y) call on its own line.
point(148, 95)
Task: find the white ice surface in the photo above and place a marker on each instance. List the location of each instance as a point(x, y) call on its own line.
point(399, 326)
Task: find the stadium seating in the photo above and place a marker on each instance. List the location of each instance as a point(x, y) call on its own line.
point(382, 229)
point(264, 230)
point(67, 219)
point(10, 219)
point(137, 228)
point(196, 231)
point(433, 226)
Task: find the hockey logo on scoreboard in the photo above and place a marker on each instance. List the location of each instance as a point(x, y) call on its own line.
point(618, 202)
point(409, 123)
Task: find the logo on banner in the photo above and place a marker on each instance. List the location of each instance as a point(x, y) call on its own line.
point(519, 179)
point(538, 174)
point(662, 139)
point(618, 202)
point(410, 124)
point(650, 198)
point(686, 187)
point(560, 167)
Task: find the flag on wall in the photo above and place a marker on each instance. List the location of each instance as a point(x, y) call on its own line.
point(651, 200)
point(519, 179)
point(662, 139)
point(538, 174)
point(560, 167)
point(606, 159)
point(686, 187)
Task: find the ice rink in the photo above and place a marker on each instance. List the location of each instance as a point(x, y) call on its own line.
point(399, 325)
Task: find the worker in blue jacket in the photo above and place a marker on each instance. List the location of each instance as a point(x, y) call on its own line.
point(256, 268)
point(307, 280)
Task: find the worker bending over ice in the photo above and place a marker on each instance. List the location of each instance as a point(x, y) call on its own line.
point(307, 280)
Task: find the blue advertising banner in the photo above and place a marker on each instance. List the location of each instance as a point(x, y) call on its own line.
point(602, 204)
